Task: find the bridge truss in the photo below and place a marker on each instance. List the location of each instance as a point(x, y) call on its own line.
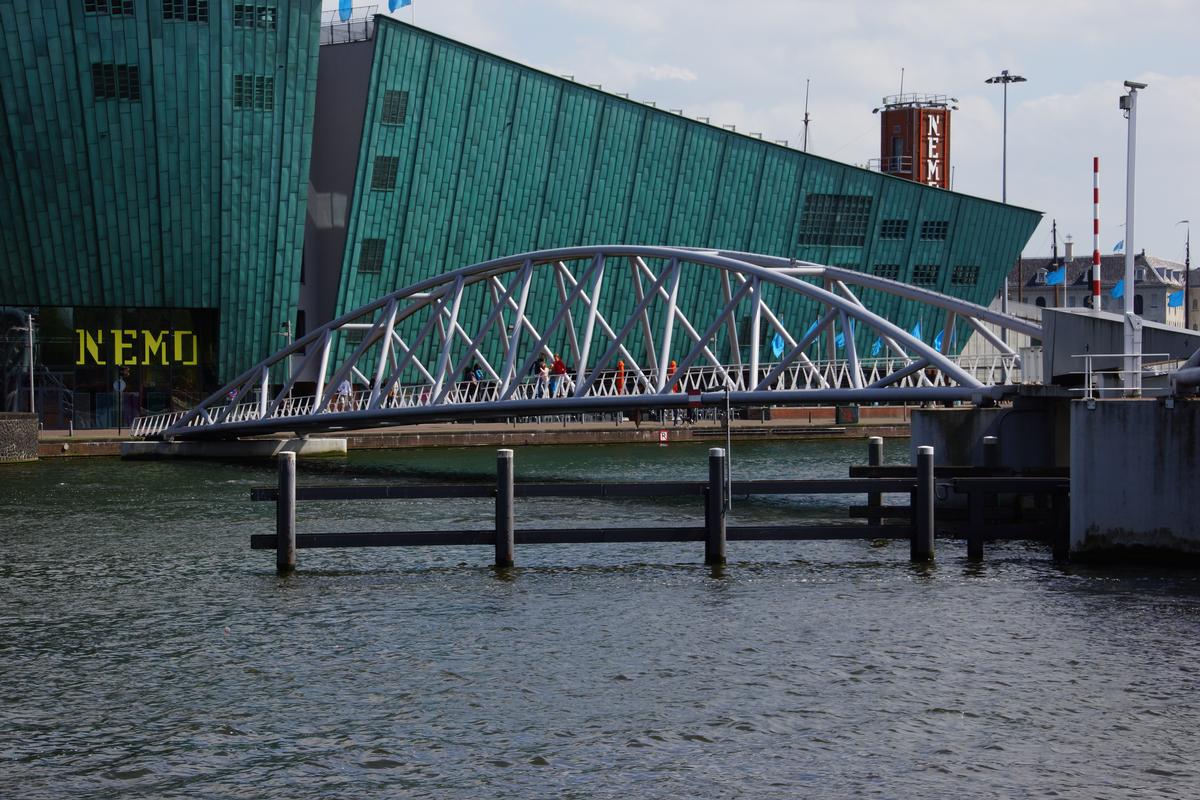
point(638, 327)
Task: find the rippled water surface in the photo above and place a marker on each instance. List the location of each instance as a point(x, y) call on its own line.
point(145, 650)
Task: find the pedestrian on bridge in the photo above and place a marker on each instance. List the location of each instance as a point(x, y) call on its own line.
point(558, 372)
point(620, 376)
point(543, 378)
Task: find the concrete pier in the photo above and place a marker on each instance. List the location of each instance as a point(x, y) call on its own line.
point(1134, 465)
point(243, 448)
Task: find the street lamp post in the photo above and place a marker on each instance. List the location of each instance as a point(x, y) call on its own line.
point(1004, 79)
point(1133, 326)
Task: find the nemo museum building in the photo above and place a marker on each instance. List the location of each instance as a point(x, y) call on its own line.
point(188, 183)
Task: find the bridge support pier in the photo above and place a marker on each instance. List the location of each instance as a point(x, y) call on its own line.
point(504, 508)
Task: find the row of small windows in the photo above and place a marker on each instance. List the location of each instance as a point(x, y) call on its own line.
point(838, 220)
point(927, 274)
point(116, 82)
point(370, 258)
point(383, 176)
point(108, 6)
point(263, 16)
point(189, 10)
point(841, 220)
point(255, 15)
point(395, 107)
point(255, 92)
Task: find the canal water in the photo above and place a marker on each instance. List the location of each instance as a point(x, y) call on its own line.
point(146, 651)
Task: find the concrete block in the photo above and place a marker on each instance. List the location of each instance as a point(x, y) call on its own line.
point(1134, 465)
point(241, 448)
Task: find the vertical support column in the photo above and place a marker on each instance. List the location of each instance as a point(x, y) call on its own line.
point(875, 459)
point(504, 508)
point(285, 515)
point(714, 541)
point(922, 539)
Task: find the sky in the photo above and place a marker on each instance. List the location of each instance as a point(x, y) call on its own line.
point(745, 64)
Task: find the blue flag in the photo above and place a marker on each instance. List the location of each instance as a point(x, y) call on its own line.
point(1175, 299)
point(1119, 289)
point(394, 4)
point(916, 329)
point(1057, 277)
point(878, 346)
point(937, 340)
point(345, 8)
point(1119, 246)
point(777, 345)
point(840, 340)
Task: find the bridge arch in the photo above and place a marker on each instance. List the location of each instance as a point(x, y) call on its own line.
point(638, 327)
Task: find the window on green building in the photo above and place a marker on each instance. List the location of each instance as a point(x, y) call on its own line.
point(395, 107)
point(383, 176)
point(935, 229)
point(255, 15)
point(255, 92)
point(889, 271)
point(839, 220)
point(120, 7)
point(964, 275)
point(925, 274)
point(893, 229)
point(116, 82)
point(188, 10)
point(370, 256)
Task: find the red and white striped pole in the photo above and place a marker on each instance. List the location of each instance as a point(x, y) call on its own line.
point(1096, 233)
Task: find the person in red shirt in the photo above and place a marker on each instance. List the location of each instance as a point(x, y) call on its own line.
point(557, 372)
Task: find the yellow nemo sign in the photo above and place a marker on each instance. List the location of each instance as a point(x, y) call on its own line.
point(132, 347)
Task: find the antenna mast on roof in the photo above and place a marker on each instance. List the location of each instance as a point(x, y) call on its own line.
point(806, 80)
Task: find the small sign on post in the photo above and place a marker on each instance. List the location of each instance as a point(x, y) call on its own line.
point(663, 437)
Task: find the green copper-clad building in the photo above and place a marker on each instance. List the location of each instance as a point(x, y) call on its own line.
point(186, 182)
point(465, 156)
point(154, 156)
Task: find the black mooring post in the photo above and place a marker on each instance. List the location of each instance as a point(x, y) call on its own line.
point(714, 517)
point(975, 502)
point(991, 452)
point(504, 508)
point(922, 539)
point(874, 459)
point(285, 515)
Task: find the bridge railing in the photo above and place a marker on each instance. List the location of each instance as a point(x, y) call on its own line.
point(811, 376)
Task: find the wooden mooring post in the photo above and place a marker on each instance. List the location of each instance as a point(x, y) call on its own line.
point(922, 535)
point(285, 515)
point(714, 509)
point(875, 459)
point(504, 508)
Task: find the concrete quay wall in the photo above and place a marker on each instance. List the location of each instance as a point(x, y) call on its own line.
point(1134, 471)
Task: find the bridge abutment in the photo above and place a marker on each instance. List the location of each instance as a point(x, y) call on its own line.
point(238, 448)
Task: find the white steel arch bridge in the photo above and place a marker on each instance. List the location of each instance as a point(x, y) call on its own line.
point(638, 327)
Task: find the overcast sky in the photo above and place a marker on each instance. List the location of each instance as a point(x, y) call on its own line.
point(744, 63)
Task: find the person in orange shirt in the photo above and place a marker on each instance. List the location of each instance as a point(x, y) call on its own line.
point(621, 376)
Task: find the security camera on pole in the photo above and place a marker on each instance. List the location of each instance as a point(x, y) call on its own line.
point(1133, 323)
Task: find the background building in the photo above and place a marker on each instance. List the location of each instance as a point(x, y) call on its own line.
point(1157, 280)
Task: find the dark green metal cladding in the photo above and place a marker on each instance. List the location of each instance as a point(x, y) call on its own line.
point(496, 158)
point(191, 194)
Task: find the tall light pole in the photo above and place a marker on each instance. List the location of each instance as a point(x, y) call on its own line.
point(1187, 274)
point(1133, 325)
point(1004, 79)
